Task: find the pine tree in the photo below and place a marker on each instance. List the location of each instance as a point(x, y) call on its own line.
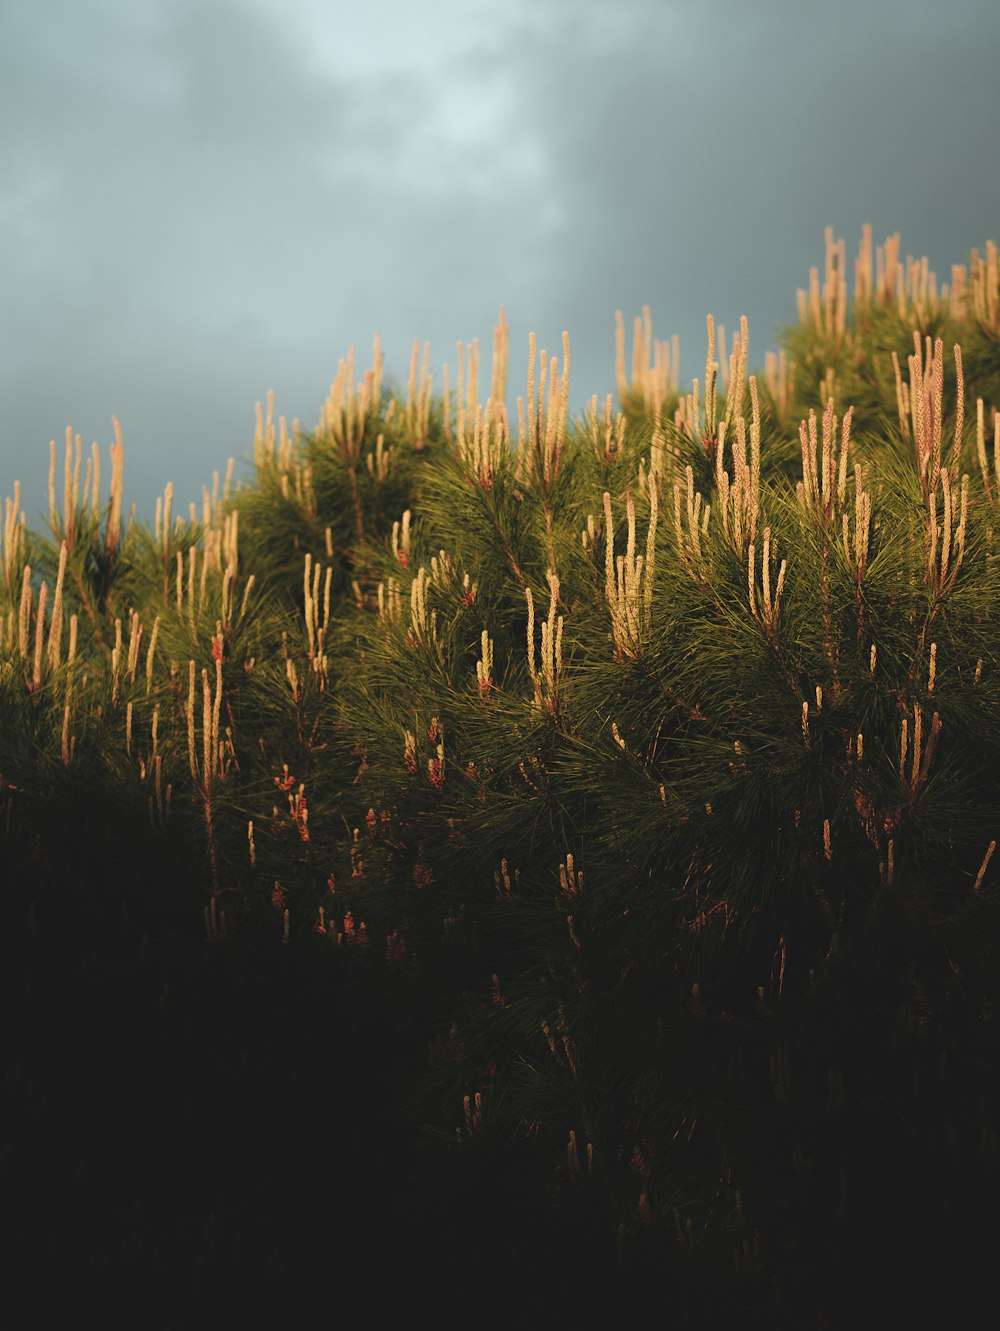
point(649, 759)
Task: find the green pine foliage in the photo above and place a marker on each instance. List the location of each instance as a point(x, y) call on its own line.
point(650, 761)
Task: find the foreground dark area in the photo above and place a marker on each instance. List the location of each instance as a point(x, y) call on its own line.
point(198, 1130)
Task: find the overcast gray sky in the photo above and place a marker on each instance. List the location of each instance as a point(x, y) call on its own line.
point(204, 199)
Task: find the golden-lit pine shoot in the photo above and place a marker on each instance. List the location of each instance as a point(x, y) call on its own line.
point(13, 542)
point(991, 479)
point(545, 680)
point(823, 487)
point(484, 667)
point(765, 607)
point(655, 364)
point(607, 443)
point(985, 864)
point(628, 579)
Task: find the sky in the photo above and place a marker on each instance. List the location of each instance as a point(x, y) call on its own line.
point(202, 200)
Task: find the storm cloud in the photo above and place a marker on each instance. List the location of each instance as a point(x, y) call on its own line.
point(203, 201)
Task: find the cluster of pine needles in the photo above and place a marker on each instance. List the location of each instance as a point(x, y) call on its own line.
point(640, 771)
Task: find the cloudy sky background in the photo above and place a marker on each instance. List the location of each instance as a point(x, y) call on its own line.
point(201, 200)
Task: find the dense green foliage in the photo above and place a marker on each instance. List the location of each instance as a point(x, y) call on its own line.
point(648, 762)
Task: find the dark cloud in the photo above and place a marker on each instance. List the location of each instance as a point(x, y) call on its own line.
point(699, 152)
point(195, 212)
point(204, 199)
